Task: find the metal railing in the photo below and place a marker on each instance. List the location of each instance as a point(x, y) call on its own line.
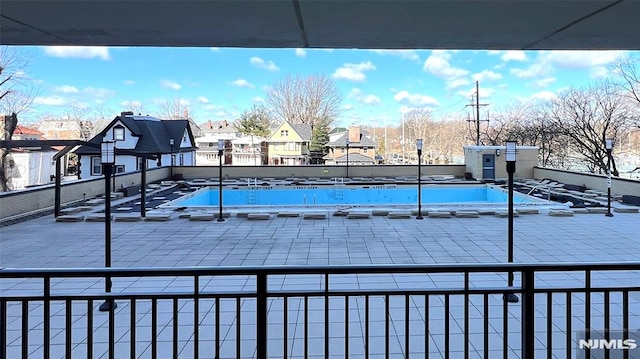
point(449, 311)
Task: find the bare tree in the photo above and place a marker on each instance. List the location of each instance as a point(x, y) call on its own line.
point(587, 117)
point(178, 109)
point(306, 100)
point(626, 69)
point(17, 92)
point(443, 139)
point(174, 109)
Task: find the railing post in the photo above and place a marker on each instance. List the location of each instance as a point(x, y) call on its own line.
point(261, 314)
point(528, 314)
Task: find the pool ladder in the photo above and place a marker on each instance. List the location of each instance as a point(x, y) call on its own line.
point(253, 196)
point(338, 193)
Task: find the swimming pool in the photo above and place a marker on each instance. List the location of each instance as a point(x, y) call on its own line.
point(372, 195)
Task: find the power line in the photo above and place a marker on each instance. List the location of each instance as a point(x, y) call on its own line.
point(477, 105)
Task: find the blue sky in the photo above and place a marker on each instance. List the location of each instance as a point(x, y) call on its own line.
point(220, 83)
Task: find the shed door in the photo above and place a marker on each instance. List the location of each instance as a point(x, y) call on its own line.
point(489, 167)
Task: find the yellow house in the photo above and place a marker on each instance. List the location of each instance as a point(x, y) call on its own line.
point(289, 144)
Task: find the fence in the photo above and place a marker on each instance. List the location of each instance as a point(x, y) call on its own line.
point(449, 311)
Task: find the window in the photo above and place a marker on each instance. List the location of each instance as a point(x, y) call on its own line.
point(118, 133)
point(291, 146)
point(344, 149)
point(276, 146)
point(365, 150)
point(284, 133)
point(119, 168)
point(96, 166)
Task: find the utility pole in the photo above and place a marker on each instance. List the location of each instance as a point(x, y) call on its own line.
point(477, 117)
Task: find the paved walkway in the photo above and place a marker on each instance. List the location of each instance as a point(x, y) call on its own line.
point(293, 241)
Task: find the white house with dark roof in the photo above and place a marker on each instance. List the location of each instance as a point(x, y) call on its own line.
point(170, 140)
point(362, 149)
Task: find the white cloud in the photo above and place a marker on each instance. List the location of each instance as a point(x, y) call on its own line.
point(98, 92)
point(129, 82)
point(168, 84)
point(538, 69)
point(258, 100)
point(486, 75)
point(67, 89)
point(78, 52)
point(301, 53)
point(50, 100)
point(580, 59)
point(133, 103)
point(514, 55)
point(347, 107)
point(414, 100)
point(357, 95)
point(403, 54)
point(544, 96)
point(184, 102)
point(454, 84)
point(242, 83)
point(547, 61)
point(599, 72)
point(353, 72)
point(544, 82)
point(438, 65)
point(203, 99)
point(260, 63)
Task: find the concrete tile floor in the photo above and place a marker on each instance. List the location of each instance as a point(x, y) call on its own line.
point(335, 241)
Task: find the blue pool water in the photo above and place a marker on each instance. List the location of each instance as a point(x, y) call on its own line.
point(351, 195)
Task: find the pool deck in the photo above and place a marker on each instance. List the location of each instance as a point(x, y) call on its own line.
point(336, 240)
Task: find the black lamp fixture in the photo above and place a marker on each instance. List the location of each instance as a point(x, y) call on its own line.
point(609, 146)
point(220, 155)
point(510, 158)
point(347, 169)
point(419, 148)
point(108, 159)
point(172, 159)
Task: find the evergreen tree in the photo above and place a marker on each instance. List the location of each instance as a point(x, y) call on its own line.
point(319, 139)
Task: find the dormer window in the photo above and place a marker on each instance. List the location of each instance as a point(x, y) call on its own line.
point(118, 133)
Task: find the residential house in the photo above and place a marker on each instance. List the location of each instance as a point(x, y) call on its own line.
point(250, 151)
point(170, 140)
point(289, 144)
point(361, 148)
point(207, 144)
point(26, 166)
point(66, 129)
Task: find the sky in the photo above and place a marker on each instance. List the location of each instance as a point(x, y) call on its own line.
point(377, 86)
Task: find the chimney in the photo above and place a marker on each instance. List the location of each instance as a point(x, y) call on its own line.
point(210, 125)
point(354, 134)
point(126, 113)
point(225, 123)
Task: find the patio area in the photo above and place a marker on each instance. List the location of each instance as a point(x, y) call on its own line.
point(334, 241)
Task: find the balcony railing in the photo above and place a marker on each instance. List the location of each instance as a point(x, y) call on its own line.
point(449, 311)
